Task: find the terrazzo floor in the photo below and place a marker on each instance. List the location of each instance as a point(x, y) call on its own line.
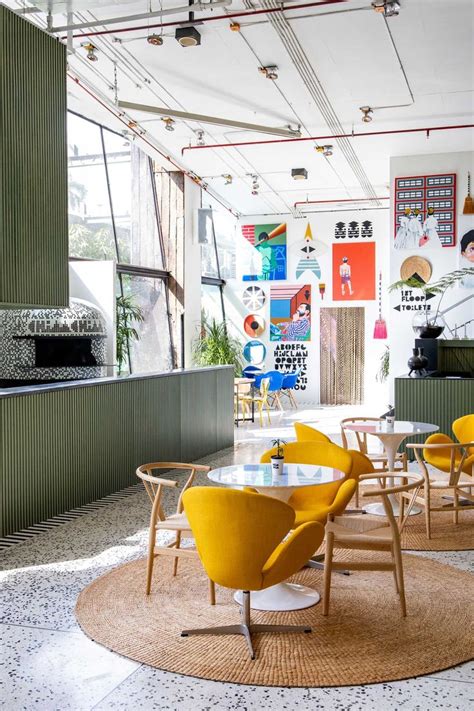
point(47, 663)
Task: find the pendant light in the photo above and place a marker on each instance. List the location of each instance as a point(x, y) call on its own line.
point(380, 328)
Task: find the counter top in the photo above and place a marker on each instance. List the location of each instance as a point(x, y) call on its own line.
point(94, 382)
point(435, 377)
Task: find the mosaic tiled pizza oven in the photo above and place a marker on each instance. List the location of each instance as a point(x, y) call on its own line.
point(41, 345)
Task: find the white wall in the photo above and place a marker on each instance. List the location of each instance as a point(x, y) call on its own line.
point(94, 281)
point(322, 226)
point(442, 260)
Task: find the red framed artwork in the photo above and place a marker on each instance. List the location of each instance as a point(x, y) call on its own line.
point(425, 211)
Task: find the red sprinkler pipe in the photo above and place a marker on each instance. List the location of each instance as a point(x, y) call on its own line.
point(272, 141)
point(213, 18)
point(327, 202)
point(119, 115)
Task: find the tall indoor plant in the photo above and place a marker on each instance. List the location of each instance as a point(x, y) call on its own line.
point(128, 313)
point(215, 346)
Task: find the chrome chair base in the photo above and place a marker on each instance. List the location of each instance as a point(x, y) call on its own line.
point(246, 628)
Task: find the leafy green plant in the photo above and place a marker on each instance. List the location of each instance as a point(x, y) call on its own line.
point(214, 346)
point(384, 368)
point(128, 313)
point(438, 287)
point(279, 444)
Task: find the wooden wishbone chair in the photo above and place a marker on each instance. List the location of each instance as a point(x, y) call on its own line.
point(457, 481)
point(176, 522)
point(358, 533)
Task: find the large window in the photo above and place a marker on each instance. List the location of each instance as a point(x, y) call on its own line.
point(113, 214)
point(217, 238)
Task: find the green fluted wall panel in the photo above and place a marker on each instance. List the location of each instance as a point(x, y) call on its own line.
point(68, 447)
point(436, 400)
point(33, 166)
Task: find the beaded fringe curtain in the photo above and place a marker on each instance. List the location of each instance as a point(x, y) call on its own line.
point(342, 356)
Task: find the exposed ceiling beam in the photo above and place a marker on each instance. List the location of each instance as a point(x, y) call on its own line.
point(200, 118)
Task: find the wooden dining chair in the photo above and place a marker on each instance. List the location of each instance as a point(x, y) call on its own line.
point(378, 459)
point(452, 478)
point(176, 523)
point(260, 400)
point(359, 533)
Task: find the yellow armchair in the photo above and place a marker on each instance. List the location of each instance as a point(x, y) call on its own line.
point(440, 457)
point(305, 433)
point(239, 538)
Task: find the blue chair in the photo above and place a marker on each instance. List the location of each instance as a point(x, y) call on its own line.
point(274, 388)
point(289, 383)
point(250, 371)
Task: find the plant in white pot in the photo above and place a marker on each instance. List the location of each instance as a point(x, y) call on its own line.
point(278, 459)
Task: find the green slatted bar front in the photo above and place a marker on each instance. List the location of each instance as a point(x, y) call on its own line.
point(436, 400)
point(66, 446)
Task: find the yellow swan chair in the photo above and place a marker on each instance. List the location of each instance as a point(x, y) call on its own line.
point(463, 429)
point(239, 538)
point(360, 463)
point(305, 433)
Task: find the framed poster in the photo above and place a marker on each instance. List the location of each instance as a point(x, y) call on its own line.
point(267, 259)
point(290, 313)
point(353, 271)
point(425, 211)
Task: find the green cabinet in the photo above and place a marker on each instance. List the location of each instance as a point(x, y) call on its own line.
point(33, 166)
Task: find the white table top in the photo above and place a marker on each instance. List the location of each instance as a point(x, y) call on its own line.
point(399, 427)
point(261, 476)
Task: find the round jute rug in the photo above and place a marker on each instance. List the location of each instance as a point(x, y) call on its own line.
point(363, 640)
point(445, 535)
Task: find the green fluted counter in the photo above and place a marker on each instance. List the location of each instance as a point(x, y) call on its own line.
point(436, 400)
point(67, 444)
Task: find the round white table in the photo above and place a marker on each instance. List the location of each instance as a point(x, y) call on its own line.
point(391, 435)
point(284, 596)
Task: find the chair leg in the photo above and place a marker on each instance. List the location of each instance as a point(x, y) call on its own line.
point(395, 574)
point(151, 558)
point(402, 508)
point(293, 400)
point(455, 504)
point(177, 545)
point(427, 512)
point(260, 408)
point(278, 401)
point(357, 495)
point(212, 592)
point(327, 571)
point(268, 415)
point(401, 585)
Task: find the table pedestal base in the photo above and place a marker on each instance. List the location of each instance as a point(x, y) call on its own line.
point(284, 596)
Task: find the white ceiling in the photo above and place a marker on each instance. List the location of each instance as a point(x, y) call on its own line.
point(350, 53)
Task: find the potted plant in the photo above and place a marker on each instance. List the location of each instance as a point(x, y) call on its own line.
point(427, 323)
point(215, 346)
point(278, 459)
point(128, 314)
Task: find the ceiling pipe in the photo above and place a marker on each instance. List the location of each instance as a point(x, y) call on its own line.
point(197, 7)
point(203, 20)
point(330, 202)
point(272, 141)
point(120, 117)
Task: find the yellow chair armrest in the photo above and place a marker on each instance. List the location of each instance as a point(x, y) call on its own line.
point(292, 553)
point(344, 495)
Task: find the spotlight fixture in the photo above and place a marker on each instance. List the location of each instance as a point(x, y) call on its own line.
point(366, 113)
point(234, 27)
point(187, 36)
point(154, 39)
point(325, 150)
point(269, 72)
point(200, 138)
point(228, 178)
point(169, 123)
point(389, 8)
point(255, 185)
point(299, 173)
point(91, 52)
